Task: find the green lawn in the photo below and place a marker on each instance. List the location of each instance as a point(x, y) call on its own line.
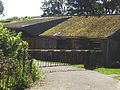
point(79, 65)
point(108, 71)
point(117, 77)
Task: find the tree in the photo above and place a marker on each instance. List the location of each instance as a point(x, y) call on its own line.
point(81, 7)
point(53, 7)
point(93, 7)
point(73, 7)
point(111, 6)
point(1, 7)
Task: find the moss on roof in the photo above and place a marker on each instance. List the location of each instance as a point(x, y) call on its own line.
point(92, 26)
point(23, 23)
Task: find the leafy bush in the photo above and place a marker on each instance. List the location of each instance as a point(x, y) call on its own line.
point(35, 71)
point(16, 70)
point(8, 68)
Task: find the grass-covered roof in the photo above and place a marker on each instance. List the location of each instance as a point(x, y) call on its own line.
point(23, 23)
point(92, 27)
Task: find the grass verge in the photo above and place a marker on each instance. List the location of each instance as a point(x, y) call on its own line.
point(79, 65)
point(110, 71)
point(117, 77)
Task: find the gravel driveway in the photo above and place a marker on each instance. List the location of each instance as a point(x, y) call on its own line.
point(71, 78)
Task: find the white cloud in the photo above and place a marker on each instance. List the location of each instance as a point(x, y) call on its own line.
point(22, 8)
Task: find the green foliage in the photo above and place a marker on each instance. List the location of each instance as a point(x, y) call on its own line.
point(53, 7)
point(35, 71)
point(80, 7)
point(15, 67)
point(8, 69)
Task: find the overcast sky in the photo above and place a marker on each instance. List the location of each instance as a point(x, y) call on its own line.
point(22, 8)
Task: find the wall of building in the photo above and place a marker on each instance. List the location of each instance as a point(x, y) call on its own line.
point(90, 58)
point(55, 42)
point(68, 43)
point(112, 53)
point(109, 56)
point(114, 49)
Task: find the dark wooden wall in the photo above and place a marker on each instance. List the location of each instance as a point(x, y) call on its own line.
point(55, 42)
point(109, 56)
point(113, 53)
point(114, 49)
point(91, 58)
point(68, 43)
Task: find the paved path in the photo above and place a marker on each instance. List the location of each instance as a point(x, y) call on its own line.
point(71, 78)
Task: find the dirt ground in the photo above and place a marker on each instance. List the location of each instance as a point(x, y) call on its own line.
point(71, 78)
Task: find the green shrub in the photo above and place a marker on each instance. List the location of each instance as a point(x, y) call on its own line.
point(16, 70)
point(8, 68)
point(35, 71)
